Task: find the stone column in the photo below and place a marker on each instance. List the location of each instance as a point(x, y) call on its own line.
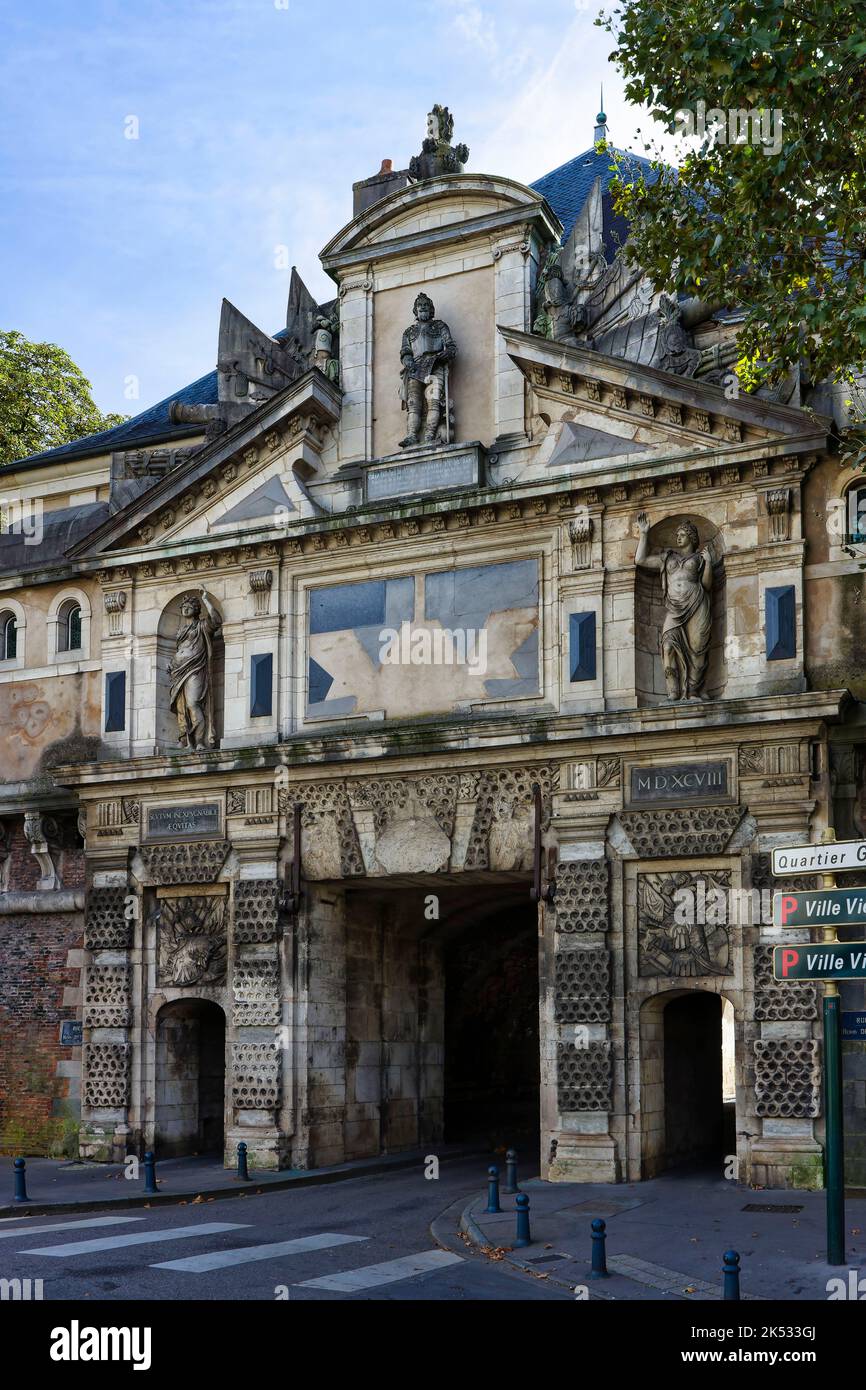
point(356, 369)
point(512, 309)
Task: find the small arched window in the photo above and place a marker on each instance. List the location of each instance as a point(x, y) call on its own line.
point(855, 514)
point(69, 627)
point(8, 636)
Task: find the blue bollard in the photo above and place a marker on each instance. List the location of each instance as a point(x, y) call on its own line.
point(599, 1258)
point(731, 1273)
point(523, 1236)
point(150, 1187)
point(20, 1180)
point(511, 1184)
point(243, 1171)
point(493, 1208)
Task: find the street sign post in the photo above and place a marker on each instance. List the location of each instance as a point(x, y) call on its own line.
point(828, 960)
point(821, 907)
point(829, 857)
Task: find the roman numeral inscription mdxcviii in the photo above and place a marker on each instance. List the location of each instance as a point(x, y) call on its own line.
point(680, 782)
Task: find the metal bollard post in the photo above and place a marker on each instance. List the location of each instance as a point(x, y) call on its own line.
point(523, 1236)
point(493, 1208)
point(20, 1180)
point(511, 1184)
point(243, 1171)
point(150, 1187)
point(731, 1275)
point(599, 1268)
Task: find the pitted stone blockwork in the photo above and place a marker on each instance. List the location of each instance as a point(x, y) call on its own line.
point(778, 1000)
point(197, 862)
point(106, 1075)
point(107, 1001)
point(681, 830)
point(582, 895)
point(512, 785)
point(255, 1076)
point(787, 1078)
point(764, 879)
point(582, 985)
point(105, 925)
point(256, 911)
point(583, 1076)
point(256, 988)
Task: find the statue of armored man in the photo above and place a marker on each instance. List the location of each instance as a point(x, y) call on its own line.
point(426, 353)
point(687, 578)
point(191, 672)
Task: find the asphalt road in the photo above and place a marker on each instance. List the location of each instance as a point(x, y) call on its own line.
point(350, 1234)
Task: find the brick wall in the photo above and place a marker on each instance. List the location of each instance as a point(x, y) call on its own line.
point(40, 963)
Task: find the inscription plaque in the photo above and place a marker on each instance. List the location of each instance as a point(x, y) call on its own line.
point(70, 1034)
point(423, 475)
point(183, 822)
point(679, 782)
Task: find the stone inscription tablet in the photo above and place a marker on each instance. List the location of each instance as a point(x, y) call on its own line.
point(423, 475)
point(183, 822)
point(679, 782)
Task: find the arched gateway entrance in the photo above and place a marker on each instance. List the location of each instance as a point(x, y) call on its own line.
point(190, 1078)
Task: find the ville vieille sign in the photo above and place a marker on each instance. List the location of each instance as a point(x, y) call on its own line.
point(679, 782)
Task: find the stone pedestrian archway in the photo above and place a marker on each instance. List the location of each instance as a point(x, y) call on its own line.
point(190, 1078)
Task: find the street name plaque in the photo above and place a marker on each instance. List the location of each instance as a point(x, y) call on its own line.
point(184, 822)
point(823, 858)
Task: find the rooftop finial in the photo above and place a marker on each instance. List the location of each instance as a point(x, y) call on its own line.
point(438, 155)
point(600, 132)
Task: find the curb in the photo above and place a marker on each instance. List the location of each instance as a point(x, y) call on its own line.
point(313, 1178)
point(470, 1228)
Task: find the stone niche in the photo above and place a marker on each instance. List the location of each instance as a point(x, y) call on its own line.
point(650, 613)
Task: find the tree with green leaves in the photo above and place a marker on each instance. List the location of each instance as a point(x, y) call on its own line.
point(45, 399)
point(776, 226)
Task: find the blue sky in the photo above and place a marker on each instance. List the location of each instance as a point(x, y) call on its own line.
point(254, 118)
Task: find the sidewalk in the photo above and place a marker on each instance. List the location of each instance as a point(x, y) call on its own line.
point(666, 1237)
point(58, 1185)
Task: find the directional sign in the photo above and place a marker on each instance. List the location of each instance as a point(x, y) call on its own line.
point(853, 1026)
point(816, 859)
point(837, 960)
point(823, 907)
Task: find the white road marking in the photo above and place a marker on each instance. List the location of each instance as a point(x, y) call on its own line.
point(371, 1276)
point(87, 1247)
point(222, 1259)
point(68, 1226)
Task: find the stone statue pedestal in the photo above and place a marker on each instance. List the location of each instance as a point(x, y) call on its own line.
point(424, 468)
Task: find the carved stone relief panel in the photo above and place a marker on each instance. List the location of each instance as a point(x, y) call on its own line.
point(329, 841)
point(681, 830)
point(583, 1076)
point(501, 836)
point(787, 1078)
point(256, 911)
point(255, 1075)
point(582, 985)
point(673, 940)
point(582, 895)
point(191, 940)
point(106, 927)
point(193, 862)
point(106, 1075)
point(107, 998)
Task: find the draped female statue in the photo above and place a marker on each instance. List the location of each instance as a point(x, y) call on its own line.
point(687, 578)
point(191, 672)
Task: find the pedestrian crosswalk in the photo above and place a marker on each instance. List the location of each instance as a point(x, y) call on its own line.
point(290, 1257)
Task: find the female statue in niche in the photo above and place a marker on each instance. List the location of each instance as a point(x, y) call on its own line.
point(190, 671)
point(687, 578)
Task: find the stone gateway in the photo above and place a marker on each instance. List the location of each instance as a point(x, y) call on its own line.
point(446, 679)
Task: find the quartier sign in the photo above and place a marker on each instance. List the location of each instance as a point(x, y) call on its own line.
point(810, 859)
point(839, 906)
point(836, 960)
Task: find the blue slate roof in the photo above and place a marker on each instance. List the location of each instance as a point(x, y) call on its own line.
point(567, 188)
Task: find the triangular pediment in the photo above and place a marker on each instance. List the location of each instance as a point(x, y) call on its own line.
point(247, 480)
point(602, 410)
